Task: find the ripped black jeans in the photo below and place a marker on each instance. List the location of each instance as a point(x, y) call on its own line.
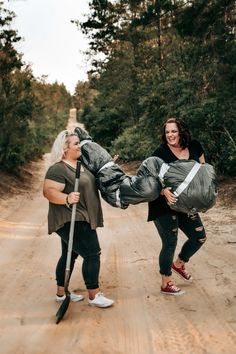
point(167, 226)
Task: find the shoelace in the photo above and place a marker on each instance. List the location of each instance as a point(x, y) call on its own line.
point(173, 287)
point(185, 272)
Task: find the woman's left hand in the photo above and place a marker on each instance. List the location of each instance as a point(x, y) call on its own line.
point(170, 197)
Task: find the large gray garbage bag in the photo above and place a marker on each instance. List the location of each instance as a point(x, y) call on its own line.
point(120, 190)
point(109, 180)
point(193, 183)
point(109, 176)
point(93, 155)
point(98, 161)
point(144, 187)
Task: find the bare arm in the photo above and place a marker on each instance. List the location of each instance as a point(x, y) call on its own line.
point(53, 191)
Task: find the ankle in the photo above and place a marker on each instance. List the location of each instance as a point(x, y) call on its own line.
point(92, 293)
point(179, 263)
point(60, 291)
point(166, 280)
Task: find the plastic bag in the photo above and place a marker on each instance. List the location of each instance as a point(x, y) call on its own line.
point(193, 183)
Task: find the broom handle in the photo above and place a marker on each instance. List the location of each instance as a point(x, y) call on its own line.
point(72, 226)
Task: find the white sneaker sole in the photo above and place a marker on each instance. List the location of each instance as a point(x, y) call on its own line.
point(101, 305)
point(181, 292)
point(77, 299)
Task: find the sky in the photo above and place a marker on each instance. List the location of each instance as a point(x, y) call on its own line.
point(51, 44)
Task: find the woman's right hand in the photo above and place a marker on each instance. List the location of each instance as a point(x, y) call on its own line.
point(170, 197)
point(73, 197)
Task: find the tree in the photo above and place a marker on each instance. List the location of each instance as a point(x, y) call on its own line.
point(161, 59)
point(31, 111)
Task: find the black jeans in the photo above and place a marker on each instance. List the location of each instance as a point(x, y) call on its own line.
point(86, 245)
point(167, 226)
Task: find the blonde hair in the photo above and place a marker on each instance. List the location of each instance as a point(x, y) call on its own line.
point(60, 144)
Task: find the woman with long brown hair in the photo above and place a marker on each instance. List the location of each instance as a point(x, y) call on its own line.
point(176, 145)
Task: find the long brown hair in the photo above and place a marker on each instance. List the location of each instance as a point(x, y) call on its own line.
point(184, 133)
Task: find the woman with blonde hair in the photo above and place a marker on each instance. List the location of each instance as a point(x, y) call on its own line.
point(58, 188)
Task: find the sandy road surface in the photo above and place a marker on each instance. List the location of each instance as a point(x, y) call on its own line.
point(143, 321)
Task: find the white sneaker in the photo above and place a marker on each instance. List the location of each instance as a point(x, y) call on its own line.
point(74, 297)
point(101, 301)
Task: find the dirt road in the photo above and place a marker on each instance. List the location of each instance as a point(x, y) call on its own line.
point(143, 321)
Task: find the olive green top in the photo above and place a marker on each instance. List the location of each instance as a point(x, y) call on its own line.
point(89, 207)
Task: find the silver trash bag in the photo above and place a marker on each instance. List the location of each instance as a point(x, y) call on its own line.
point(108, 181)
point(194, 185)
point(117, 188)
point(144, 187)
point(93, 155)
point(120, 190)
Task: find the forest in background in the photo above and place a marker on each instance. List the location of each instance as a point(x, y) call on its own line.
point(150, 60)
point(32, 112)
point(157, 59)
